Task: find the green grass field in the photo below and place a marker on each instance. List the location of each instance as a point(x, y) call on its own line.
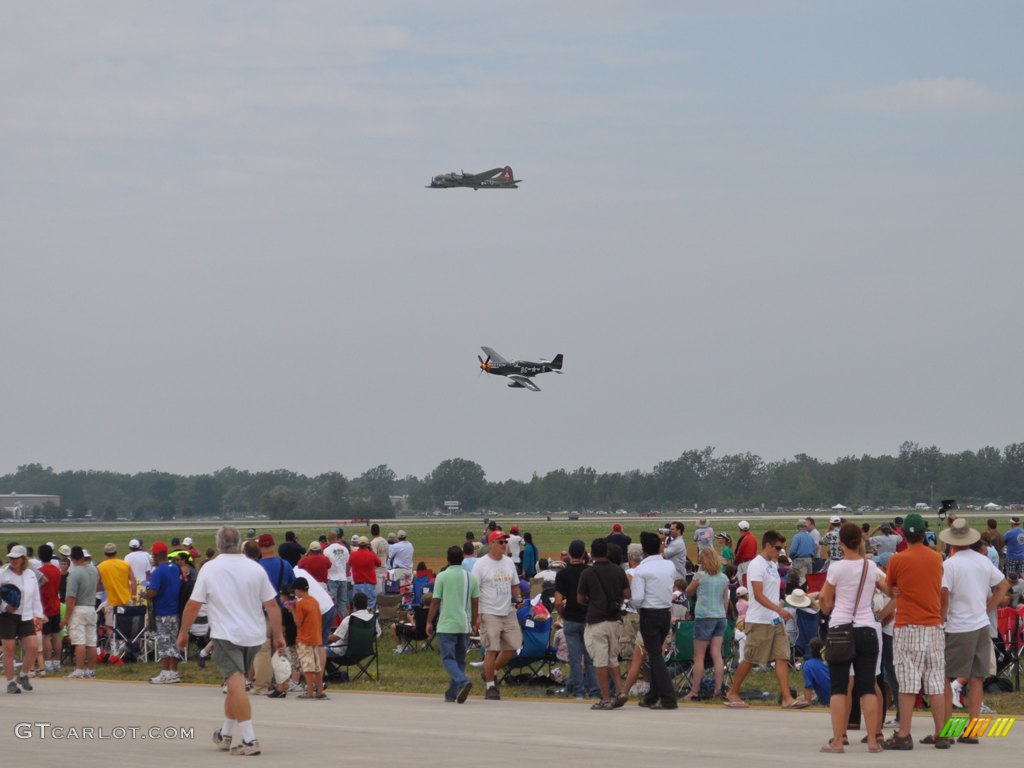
point(422, 672)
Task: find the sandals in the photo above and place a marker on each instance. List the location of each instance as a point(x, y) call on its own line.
point(797, 704)
point(603, 704)
point(830, 750)
point(733, 704)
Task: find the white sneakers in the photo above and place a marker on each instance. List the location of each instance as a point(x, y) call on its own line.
point(958, 695)
point(165, 678)
point(78, 673)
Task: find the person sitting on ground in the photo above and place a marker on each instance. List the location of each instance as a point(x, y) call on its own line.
point(546, 573)
point(816, 676)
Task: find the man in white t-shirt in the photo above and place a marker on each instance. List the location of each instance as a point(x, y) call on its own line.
point(236, 591)
point(765, 621)
point(337, 574)
point(139, 561)
point(515, 548)
point(499, 598)
point(971, 588)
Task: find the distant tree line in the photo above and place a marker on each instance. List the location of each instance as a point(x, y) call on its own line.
point(697, 478)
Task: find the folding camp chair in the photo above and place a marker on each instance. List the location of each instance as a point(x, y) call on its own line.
point(129, 638)
point(362, 650)
point(419, 584)
point(387, 609)
point(680, 659)
point(419, 639)
point(532, 664)
point(1009, 645)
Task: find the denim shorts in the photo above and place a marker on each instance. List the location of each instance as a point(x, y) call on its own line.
point(705, 629)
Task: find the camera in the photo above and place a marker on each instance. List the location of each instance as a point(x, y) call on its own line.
point(663, 531)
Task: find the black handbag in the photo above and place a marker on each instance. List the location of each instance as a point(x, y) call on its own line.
point(839, 645)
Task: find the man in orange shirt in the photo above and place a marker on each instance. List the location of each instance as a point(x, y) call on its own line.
point(308, 639)
point(919, 644)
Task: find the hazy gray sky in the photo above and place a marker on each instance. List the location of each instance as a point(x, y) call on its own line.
point(770, 226)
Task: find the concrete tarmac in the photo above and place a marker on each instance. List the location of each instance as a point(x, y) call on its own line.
point(89, 723)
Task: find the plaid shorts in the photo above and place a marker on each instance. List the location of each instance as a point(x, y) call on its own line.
point(920, 659)
point(166, 636)
point(1014, 567)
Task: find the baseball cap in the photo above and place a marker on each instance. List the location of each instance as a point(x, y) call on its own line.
point(159, 548)
point(314, 546)
point(187, 541)
point(577, 548)
point(514, 529)
point(1015, 520)
point(86, 554)
point(109, 548)
point(835, 519)
point(265, 540)
point(17, 551)
point(741, 592)
point(363, 541)
point(134, 544)
point(301, 583)
point(64, 551)
point(617, 528)
point(743, 525)
point(401, 534)
point(913, 523)
point(496, 536)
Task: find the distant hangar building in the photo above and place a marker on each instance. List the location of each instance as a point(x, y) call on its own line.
point(19, 506)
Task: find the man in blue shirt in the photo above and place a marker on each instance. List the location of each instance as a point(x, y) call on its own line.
point(1014, 539)
point(164, 586)
point(279, 571)
point(802, 550)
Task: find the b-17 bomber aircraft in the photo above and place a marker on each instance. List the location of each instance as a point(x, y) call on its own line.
point(496, 178)
point(519, 372)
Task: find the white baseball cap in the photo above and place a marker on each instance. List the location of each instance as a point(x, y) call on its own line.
point(187, 542)
point(744, 525)
point(134, 544)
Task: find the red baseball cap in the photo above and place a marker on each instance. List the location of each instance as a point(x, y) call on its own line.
point(159, 548)
point(617, 528)
point(514, 529)
point(496, 536)
point(265, 540)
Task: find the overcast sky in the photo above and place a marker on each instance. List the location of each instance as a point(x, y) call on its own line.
point(778, 227)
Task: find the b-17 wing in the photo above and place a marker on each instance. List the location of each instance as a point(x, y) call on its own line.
point(522, 381)
point(495, 357)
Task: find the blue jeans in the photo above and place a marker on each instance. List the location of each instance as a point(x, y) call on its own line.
point(453, 646)
point(326, 624)
point(582, 677)
point(370, 590)
point(338, 590)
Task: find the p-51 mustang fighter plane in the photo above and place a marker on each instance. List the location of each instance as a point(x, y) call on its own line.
point(520, 372)
point(496, 178)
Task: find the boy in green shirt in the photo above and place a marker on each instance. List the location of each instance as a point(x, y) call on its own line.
point(456, 607)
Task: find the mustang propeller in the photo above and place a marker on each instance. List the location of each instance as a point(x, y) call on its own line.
point(485, 365)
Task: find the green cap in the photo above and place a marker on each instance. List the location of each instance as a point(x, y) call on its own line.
point(913, 524)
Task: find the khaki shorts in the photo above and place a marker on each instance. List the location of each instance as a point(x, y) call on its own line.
point(309, 659)
point(82, 626)
point(968, 654)
point(500, 633)
point(765, 643)
point(602, 641)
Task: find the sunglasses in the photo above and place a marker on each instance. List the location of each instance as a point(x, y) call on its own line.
point(778, 547)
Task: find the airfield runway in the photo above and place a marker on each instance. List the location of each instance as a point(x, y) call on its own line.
point(366, 729)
